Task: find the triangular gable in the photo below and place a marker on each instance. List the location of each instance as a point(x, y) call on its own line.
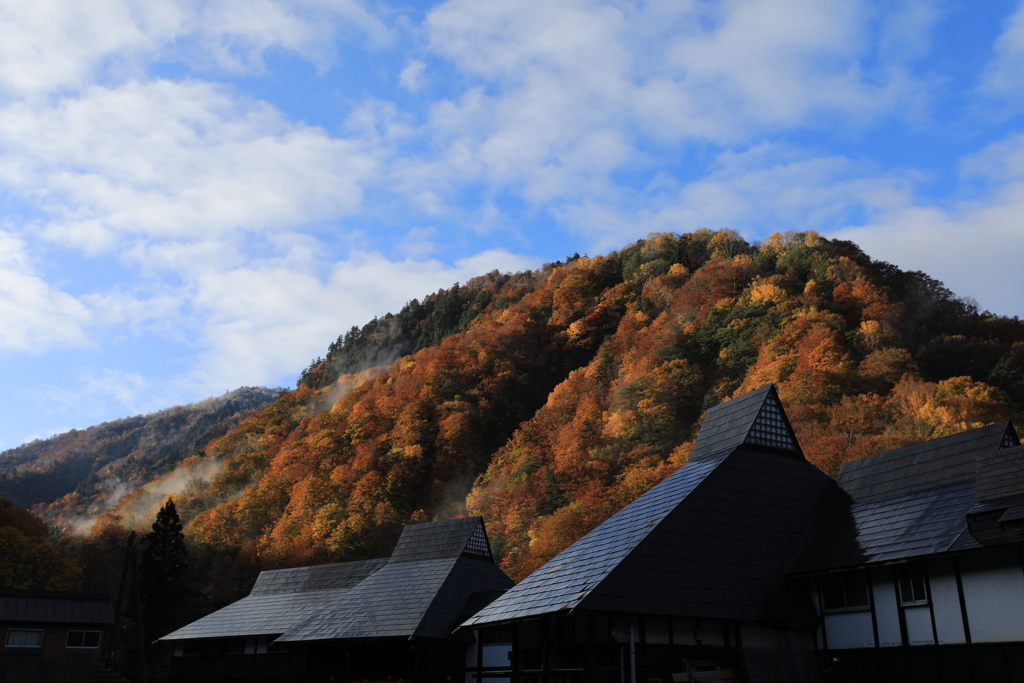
point(755, 418)
point(1009, 437)
point(478, 546)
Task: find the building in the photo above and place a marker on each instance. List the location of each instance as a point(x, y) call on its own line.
point(748, 564)
point(52, 637)
point(689, 577)
point(918, 574)
point(386, 619)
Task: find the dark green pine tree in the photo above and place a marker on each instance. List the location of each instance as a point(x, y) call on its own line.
point(164, 573)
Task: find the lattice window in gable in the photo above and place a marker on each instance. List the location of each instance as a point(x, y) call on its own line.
point(1009, 440)
point(478, 544)
point(770, 428)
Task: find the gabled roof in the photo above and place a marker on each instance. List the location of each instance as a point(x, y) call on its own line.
point(889, 529)
point(1000, 473)
point(755, 418)
point(416, 598)
point(711, 540)
point(55, 607)
point(571, 576)
point(280, 599)
point(449, 538)
point(918, 501)
point(922, 466)
point(419, 590)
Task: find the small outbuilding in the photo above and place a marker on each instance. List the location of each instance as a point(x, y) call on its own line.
point(385, 619)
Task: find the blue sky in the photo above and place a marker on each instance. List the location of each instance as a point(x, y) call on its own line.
point(196, 195)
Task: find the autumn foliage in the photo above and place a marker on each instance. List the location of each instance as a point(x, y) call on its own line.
point(547, 400)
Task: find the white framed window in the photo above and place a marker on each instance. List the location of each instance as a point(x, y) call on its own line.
point(913, 587)
point(844, 592)
point(24, 637)
point(83, 639)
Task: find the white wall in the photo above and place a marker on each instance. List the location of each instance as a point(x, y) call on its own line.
point(886, 612)
point(845, 630)
point(919, 625)
point(994, 593)
point(949, 624)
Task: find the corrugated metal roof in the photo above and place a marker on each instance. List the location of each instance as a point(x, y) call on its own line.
point(922, 466)
point(55, 607)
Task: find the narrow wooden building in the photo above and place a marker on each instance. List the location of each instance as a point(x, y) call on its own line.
point(386, 619)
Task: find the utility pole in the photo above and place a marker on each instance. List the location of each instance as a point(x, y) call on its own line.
point(131, 567)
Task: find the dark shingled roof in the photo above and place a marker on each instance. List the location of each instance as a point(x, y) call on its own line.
point(1000, 473)
point(412, 598)
point(889, 529)
point(449, 538)
point(320, 577)
point(55, 607)
point(917, 501)
point(746, 419)
point(570, 576)
point(280, 599)
point(923, 466)
point(420, 590)
point(711, 540)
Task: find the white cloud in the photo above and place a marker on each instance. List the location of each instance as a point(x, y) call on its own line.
point(562, 95)
point(412, 76)
point(49, 45)
point(267, 320)
point(35, 316)
point(1003, 74)
point(171, 160)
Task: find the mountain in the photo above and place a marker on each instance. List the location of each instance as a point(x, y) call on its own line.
point(71, 478)
point(547, 400)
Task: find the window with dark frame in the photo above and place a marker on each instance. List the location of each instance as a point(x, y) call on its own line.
point(24, 637)
point(83, 639)
point(913, 587)
point(843, 592)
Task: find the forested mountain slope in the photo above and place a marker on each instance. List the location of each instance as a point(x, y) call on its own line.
point(71, 478)
point(547, 400)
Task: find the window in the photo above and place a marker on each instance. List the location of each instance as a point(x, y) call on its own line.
point(24, 637)
point(913, 588)
point(847, 591)
point(769, 429)
point(83, 639)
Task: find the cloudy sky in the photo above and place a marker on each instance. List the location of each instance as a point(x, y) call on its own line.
point(201, 195)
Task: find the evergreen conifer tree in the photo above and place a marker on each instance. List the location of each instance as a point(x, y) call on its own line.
point(164, 572)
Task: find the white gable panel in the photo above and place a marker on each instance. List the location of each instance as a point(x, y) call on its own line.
point(994, 592)
point(886, 612)
point(949, 624)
